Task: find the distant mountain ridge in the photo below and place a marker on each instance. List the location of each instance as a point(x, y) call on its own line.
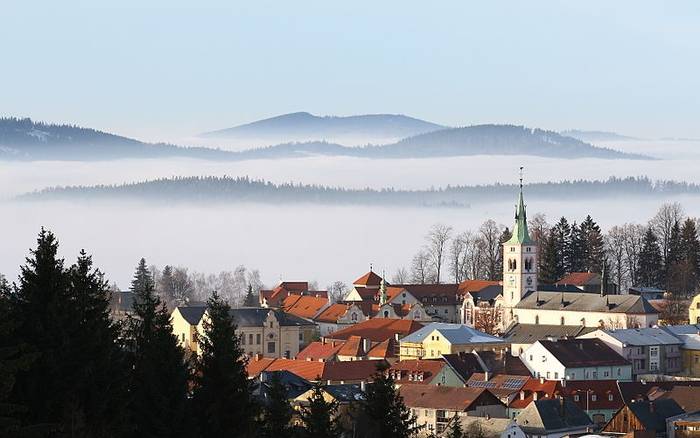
point(243, 189)
point(593, 136)
point(24, 139)
point(304, 126)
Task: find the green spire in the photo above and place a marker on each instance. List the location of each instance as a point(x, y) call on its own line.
point(520, 233)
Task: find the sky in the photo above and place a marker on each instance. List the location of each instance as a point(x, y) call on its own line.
point(167, 69)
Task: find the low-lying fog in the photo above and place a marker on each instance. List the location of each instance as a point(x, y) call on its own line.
point(323, 243)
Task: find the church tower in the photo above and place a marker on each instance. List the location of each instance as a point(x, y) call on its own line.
point(519, 261)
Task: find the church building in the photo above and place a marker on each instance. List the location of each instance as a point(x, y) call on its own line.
point(524, 303)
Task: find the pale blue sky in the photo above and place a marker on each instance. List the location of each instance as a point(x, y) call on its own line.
point(171, 69)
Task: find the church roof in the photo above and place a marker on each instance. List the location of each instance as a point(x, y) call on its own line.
point(520, 233)
point(369, 279)
point(586, 302)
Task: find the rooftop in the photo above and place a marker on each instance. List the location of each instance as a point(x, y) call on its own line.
point(580, 278)
point(531, 333)
point(547, 416)
point(586, 302)
point(416, 371)
point(444, 397)
point(377, 329)
point(453, 333)
point(304, 306)
point(256, 316)
point(310, 370)
point(320, 350)
point(369, 279)
point(577, 353)
point(644, 336)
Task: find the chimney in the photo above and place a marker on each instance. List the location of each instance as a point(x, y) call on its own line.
point(363, 385)
point(541, 380)
point(328, 382)
point(534, 395)
point(522, 395)
point(258, 356)
point(263, 377)
point(486, 376)
point(396, 337)
point(366, 345)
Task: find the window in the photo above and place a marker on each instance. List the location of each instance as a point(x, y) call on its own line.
point(270, 347)
point(594, 397)
point(446, 311)
point(270, 324)
point(606, 373)
point(250, 339)
point(562, 320)
point(531, 358)
point(386, 314)
point(537, 319)
point(595, 374)
point(547, 375)
point(556, 375)
point(437, 338)
point(242, 339)
point(528, 249)
point(577, 397)
point(183, 337)
point(258, 339)
point(353, 317)
point(417, 314)
point(287, 354)
point(301, 337)
point(610, 397)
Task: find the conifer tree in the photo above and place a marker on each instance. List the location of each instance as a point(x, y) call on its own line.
point(158, 383)
point(222, 399)
point(562, 231)
point(455, 430)
point(690, 257)
point(592, 244)
point(277, 411)
point(650, 261)
point(250, 300)
point(674, 256)
point(386, 414)
point(319, 419)
point(549, 271)
point(577, 250)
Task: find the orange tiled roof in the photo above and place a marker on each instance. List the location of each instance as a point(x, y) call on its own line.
point(319, 350)
point(311, 370)
point(304, 306)
point(369, 279)
point(578, 278)
point(383, 350)
point(378, 329)
point(332, 313)
point(407, 370)
point(444, 397)
point(602, 389)
point(257, 366)
point(545, 390)
point(352, 347)
point(475, 285)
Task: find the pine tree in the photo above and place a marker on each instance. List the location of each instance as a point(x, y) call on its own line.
point(277, 411)
point(592, 244)
point(577, 250)
point(250, 300)
point(99, 395)
point(165, 284)
point(386, 414)
point(222, 400)
point(673, 258)
point(550, 263)
point(455, 430)
point(562, 233)
point(319, 419)
point(690, 257)
point(159, 374)
point(650, 261)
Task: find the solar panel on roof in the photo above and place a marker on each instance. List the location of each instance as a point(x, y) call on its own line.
point(513, 383)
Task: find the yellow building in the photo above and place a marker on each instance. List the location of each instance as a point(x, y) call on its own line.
point(262, 331)
point(694, 310)
point(436, 339)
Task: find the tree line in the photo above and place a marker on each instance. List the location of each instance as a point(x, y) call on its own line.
point(664, 253)
point(68, 370)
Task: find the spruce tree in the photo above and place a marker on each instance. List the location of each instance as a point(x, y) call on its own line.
point(690, 256)
point(386, 414)
point(159, 376)
point(277, 411)
point(593, 246)
point(577, 249)
point(250, 300)
point(650, 261)
point(319, 418)
point(455, 430)
point(562, 231)
point(222, 399)
point(549, 271)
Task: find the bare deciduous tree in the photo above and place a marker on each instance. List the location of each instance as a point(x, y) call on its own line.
point(337, 291)
point(490, 234)
point(437, 238)
point(421, 268)
point(615, 249)
point(400, 276)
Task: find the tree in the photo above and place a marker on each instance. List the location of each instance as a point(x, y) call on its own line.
point(490, 235)
point(277, 411)
point(539, 231)
point(689, 260)
point(457, 252)
point(475, 430)
point(650, 261)
point(633, 242)
point(662, 224)
point(455, 428)
point(577, 250)
point(400, 276)
point(387, 415)
point(615, 254)
point(159, 374)
point(593, 245)
point(421, 268)
point(437, 238)
point(487, 319)
point(337, 291)
point(561, 233)
point(550, 262)
point(250, 300)
point(222, 397)
point(319, 418)
point(505, 236)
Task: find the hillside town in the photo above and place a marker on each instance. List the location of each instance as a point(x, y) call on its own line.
point(509, 358)
point(505, 358)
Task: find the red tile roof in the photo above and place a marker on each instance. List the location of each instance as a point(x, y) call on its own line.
point(445, 397)
point(475, 285)
point(352, 347)
point(580, 278)
point(416, 371)
point(319, 350)
point(378, 329)
point(332, 313)
point(369, 279)
point(546, 389)
point(602, 389)
point(304, 306)
point(310, 370)
point(383, 350)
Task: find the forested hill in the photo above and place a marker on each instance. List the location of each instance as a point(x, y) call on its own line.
point(24, 139)
point(454, 142)
point(305, 126)
point(231, 190)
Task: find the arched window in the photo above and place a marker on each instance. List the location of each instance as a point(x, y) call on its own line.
point(537, 319)
point(353, 317)
point(386, 314)
point(562, 320)
point(417, 315)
